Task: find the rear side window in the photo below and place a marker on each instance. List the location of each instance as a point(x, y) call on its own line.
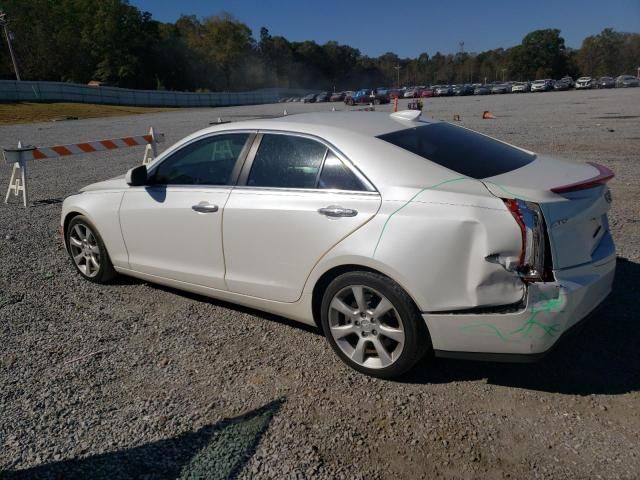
point(335, 175)
point(286, 161)
point(463, 151)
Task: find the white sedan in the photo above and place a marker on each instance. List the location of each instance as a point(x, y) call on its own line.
point(397, 236)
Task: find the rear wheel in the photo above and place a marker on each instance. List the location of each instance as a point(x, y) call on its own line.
point(87, 250)
point(373, 325)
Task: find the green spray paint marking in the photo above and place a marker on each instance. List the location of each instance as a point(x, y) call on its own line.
point(547, 305)
point(531, 322)
point(432, 187)
point(501, 187)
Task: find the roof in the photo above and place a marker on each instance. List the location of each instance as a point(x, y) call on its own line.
point(366, 123)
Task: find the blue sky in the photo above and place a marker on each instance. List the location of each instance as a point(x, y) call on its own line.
point(410, 27)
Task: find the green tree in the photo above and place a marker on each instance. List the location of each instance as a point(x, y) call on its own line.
point(113, 41)
point(542, 55)
point(602, 54)
point(226, 42)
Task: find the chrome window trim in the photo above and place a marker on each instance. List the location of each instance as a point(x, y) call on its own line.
point(242, 180)
point(333, 191)
point(181, 187)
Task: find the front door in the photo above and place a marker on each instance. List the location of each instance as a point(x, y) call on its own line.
point(173, 226)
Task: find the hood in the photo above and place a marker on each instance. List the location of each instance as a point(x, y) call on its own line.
point(115, 183)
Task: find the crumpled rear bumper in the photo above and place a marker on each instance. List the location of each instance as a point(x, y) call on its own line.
point(550, 312)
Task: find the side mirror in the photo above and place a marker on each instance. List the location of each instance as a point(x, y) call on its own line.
point(137, 176)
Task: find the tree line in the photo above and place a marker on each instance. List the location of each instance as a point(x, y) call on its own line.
point(116, 43)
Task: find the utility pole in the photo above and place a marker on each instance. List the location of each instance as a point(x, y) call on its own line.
point(397, 69)
point(468, 66)
point(7, 34)
point(460, 52)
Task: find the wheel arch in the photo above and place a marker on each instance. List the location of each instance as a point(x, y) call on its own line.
point(65, 224)
point(331, 274)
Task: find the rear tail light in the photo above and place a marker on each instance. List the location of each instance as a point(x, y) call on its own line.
point(604, 175)
point(535, 261)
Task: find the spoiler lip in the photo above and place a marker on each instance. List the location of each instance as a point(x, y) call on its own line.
point(604, 175)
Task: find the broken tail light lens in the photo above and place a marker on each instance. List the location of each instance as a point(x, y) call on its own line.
point(534, 264)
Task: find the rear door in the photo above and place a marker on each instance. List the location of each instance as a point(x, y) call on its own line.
point(295, 200)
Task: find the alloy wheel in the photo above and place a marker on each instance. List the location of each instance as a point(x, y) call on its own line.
point(366, 326)
point(85, 250)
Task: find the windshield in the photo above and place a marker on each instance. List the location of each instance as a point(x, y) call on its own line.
point(461, 150)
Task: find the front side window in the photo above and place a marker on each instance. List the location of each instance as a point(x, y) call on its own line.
point(209, 161)
point(286, 161)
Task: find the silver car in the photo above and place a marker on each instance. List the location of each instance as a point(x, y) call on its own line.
point(584, 83)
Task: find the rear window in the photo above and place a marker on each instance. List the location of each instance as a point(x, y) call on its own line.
point(463, 151)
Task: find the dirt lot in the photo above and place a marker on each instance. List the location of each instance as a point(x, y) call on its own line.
point(132, 380)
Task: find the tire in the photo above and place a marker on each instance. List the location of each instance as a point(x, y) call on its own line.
point(87, 251)
point(361, 339)
point(376, 101)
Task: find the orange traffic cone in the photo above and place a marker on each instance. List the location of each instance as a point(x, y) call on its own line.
point(395, 104)
point(487, 115)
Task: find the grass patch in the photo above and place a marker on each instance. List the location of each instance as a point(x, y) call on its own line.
point(25, 112)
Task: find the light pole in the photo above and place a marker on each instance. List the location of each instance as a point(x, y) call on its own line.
point(503, 70)
point(3, 22)
point(397, 69)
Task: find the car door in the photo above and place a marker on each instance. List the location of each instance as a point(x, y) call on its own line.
point(295, 200)
point(172, 227)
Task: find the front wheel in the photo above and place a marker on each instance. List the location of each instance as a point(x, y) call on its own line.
point(373, 325)
point(87, 250)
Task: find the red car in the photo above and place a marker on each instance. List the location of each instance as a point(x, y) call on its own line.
point(426, 92)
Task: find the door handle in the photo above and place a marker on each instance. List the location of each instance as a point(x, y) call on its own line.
point(204, 207)
point(335, 211)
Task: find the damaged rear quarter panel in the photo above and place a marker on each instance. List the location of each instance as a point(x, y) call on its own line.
point(438, 242)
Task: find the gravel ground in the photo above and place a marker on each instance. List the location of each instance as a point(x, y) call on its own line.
point(133, 380)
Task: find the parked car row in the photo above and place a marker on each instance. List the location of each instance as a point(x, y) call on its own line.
point(623, 81)
point(382, 95)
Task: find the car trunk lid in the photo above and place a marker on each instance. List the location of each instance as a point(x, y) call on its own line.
point(574, 201)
